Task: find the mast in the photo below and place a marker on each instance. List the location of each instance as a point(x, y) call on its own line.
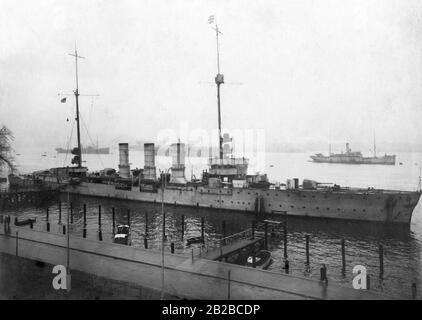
point(78, 160)
point(219, 80)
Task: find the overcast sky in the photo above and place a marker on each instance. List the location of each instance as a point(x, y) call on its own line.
point(311, 70)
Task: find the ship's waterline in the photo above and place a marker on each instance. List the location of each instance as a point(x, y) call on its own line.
point(396, 207)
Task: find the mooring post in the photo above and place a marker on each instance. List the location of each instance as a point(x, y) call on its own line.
point(146, 243)
point(414, 291)
point(60, 212)
point(172, 247)
point(381, 254)
point(343, 255)
point(285, 237)
point(114, 219)
point(99, 217)
point(307, 248)
point(183, 226)
point(266, 235)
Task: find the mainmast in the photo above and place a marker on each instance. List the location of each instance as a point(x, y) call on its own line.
point(78, 158)
point(219, 80)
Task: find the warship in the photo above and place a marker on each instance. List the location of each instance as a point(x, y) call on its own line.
point(226, 184)
point(354, 157)
point(87, 150)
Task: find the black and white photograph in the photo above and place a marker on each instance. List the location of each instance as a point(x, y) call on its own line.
point(206, 150)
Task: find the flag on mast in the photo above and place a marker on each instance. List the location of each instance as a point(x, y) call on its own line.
point(211, 19)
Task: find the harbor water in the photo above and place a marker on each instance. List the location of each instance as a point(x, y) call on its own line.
point(402, 246)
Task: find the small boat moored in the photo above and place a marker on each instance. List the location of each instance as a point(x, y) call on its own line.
point(194, 240)
point(122, 235)
point(262, 260)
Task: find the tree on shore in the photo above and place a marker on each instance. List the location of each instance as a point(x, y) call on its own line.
point(6, 157)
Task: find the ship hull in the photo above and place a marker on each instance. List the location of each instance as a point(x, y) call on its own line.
point(385, 206)
point(389, 160)
point(87, 151)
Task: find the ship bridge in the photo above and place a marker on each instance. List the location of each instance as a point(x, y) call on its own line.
point(228, 167)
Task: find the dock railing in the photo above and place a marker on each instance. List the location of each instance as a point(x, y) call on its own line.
point(220, 243)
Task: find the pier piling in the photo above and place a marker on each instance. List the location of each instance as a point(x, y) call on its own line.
point(253, 230)
point(84, 215)
point(64, 229)
point(114, 219)
point(223, 228)
point(323, 273)
point(146, 223)
point(60, 212)
point(203, 229)
point(84, 232)
point(48, 226)
point(164, 225)
point(99, 216)
point(183, 226)
point(266, 235)
point(71, 212)
point(286, 266)
point(100, 235)
point(381, 257)
point(343, 256)
point(172, 247)
point(307, 248)
point(146, 243)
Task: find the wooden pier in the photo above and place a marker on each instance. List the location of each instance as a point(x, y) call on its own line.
point(185, 275)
